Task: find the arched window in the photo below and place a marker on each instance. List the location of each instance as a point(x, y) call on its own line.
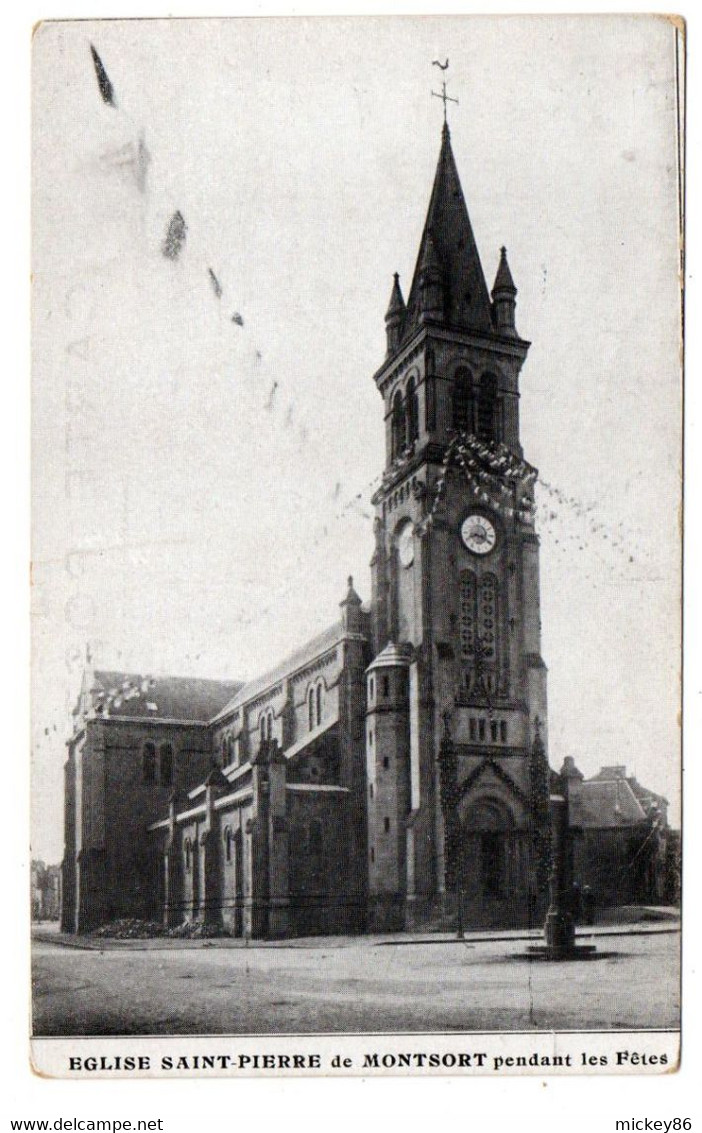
point(165, 765)
point(310, 709)
point(487, 617)
point(412, 412)
point(467, 613)
point(319, 703)
point(262, 726)
point(463, 401)
point(148, 763)
point(228, 844)
point(398, 424)
point(487, 409)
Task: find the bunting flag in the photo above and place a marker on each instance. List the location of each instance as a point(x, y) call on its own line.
point(128, 690)
point(494, 475)
point(497, 477)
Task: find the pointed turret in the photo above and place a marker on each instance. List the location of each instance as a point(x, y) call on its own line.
point(394, 315)
point(351, 609)
point(452, 254)
point(504, 294)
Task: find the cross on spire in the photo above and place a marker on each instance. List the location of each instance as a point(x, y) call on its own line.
point(444, 98)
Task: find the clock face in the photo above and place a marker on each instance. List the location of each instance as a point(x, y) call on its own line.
point(405, 545)
point(478, 534)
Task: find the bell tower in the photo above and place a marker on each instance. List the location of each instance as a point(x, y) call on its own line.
point(456, 571)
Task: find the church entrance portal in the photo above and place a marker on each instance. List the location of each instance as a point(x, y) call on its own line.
point(494, 866)
point(492, 855)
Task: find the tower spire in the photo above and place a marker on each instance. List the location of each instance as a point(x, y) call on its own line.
point(466, 302)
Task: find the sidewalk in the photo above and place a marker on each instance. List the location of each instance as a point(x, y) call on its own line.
point(651, 922)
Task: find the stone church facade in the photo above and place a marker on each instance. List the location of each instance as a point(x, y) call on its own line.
point(397, 763)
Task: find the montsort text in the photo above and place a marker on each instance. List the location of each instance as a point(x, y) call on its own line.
point(480, 1060)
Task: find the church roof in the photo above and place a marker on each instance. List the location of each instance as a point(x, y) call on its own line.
point(132, 696)
point(294, 661)
point(448, 229)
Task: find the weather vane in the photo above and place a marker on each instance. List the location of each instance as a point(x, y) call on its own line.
point(443, 96)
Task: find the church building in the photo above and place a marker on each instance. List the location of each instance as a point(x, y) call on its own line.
point(397, 763)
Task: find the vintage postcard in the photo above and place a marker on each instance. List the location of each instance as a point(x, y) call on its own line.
point(356, 552)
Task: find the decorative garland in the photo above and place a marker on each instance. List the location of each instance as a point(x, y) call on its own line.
point(494, 474)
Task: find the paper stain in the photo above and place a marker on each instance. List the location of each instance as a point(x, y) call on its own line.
point(107, 91)
point(175, 236)
point(271, 395)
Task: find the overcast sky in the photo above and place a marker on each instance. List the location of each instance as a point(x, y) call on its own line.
point(201, 487)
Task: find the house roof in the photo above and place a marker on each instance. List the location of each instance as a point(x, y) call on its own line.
point(121, 695)
point(604, 803)
point(646, 798)
point(315, 647)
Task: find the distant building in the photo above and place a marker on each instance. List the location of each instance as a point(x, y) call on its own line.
point(46, 891)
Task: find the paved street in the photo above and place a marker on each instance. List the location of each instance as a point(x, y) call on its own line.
point(353, 985)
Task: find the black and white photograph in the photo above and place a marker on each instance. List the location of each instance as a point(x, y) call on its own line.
point(356, 546)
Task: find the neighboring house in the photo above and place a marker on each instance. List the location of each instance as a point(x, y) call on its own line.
point(621, 839)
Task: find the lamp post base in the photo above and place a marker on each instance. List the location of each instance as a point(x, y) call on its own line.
point(559, 931)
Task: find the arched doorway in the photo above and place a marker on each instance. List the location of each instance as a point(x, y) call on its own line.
point(491, 864)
